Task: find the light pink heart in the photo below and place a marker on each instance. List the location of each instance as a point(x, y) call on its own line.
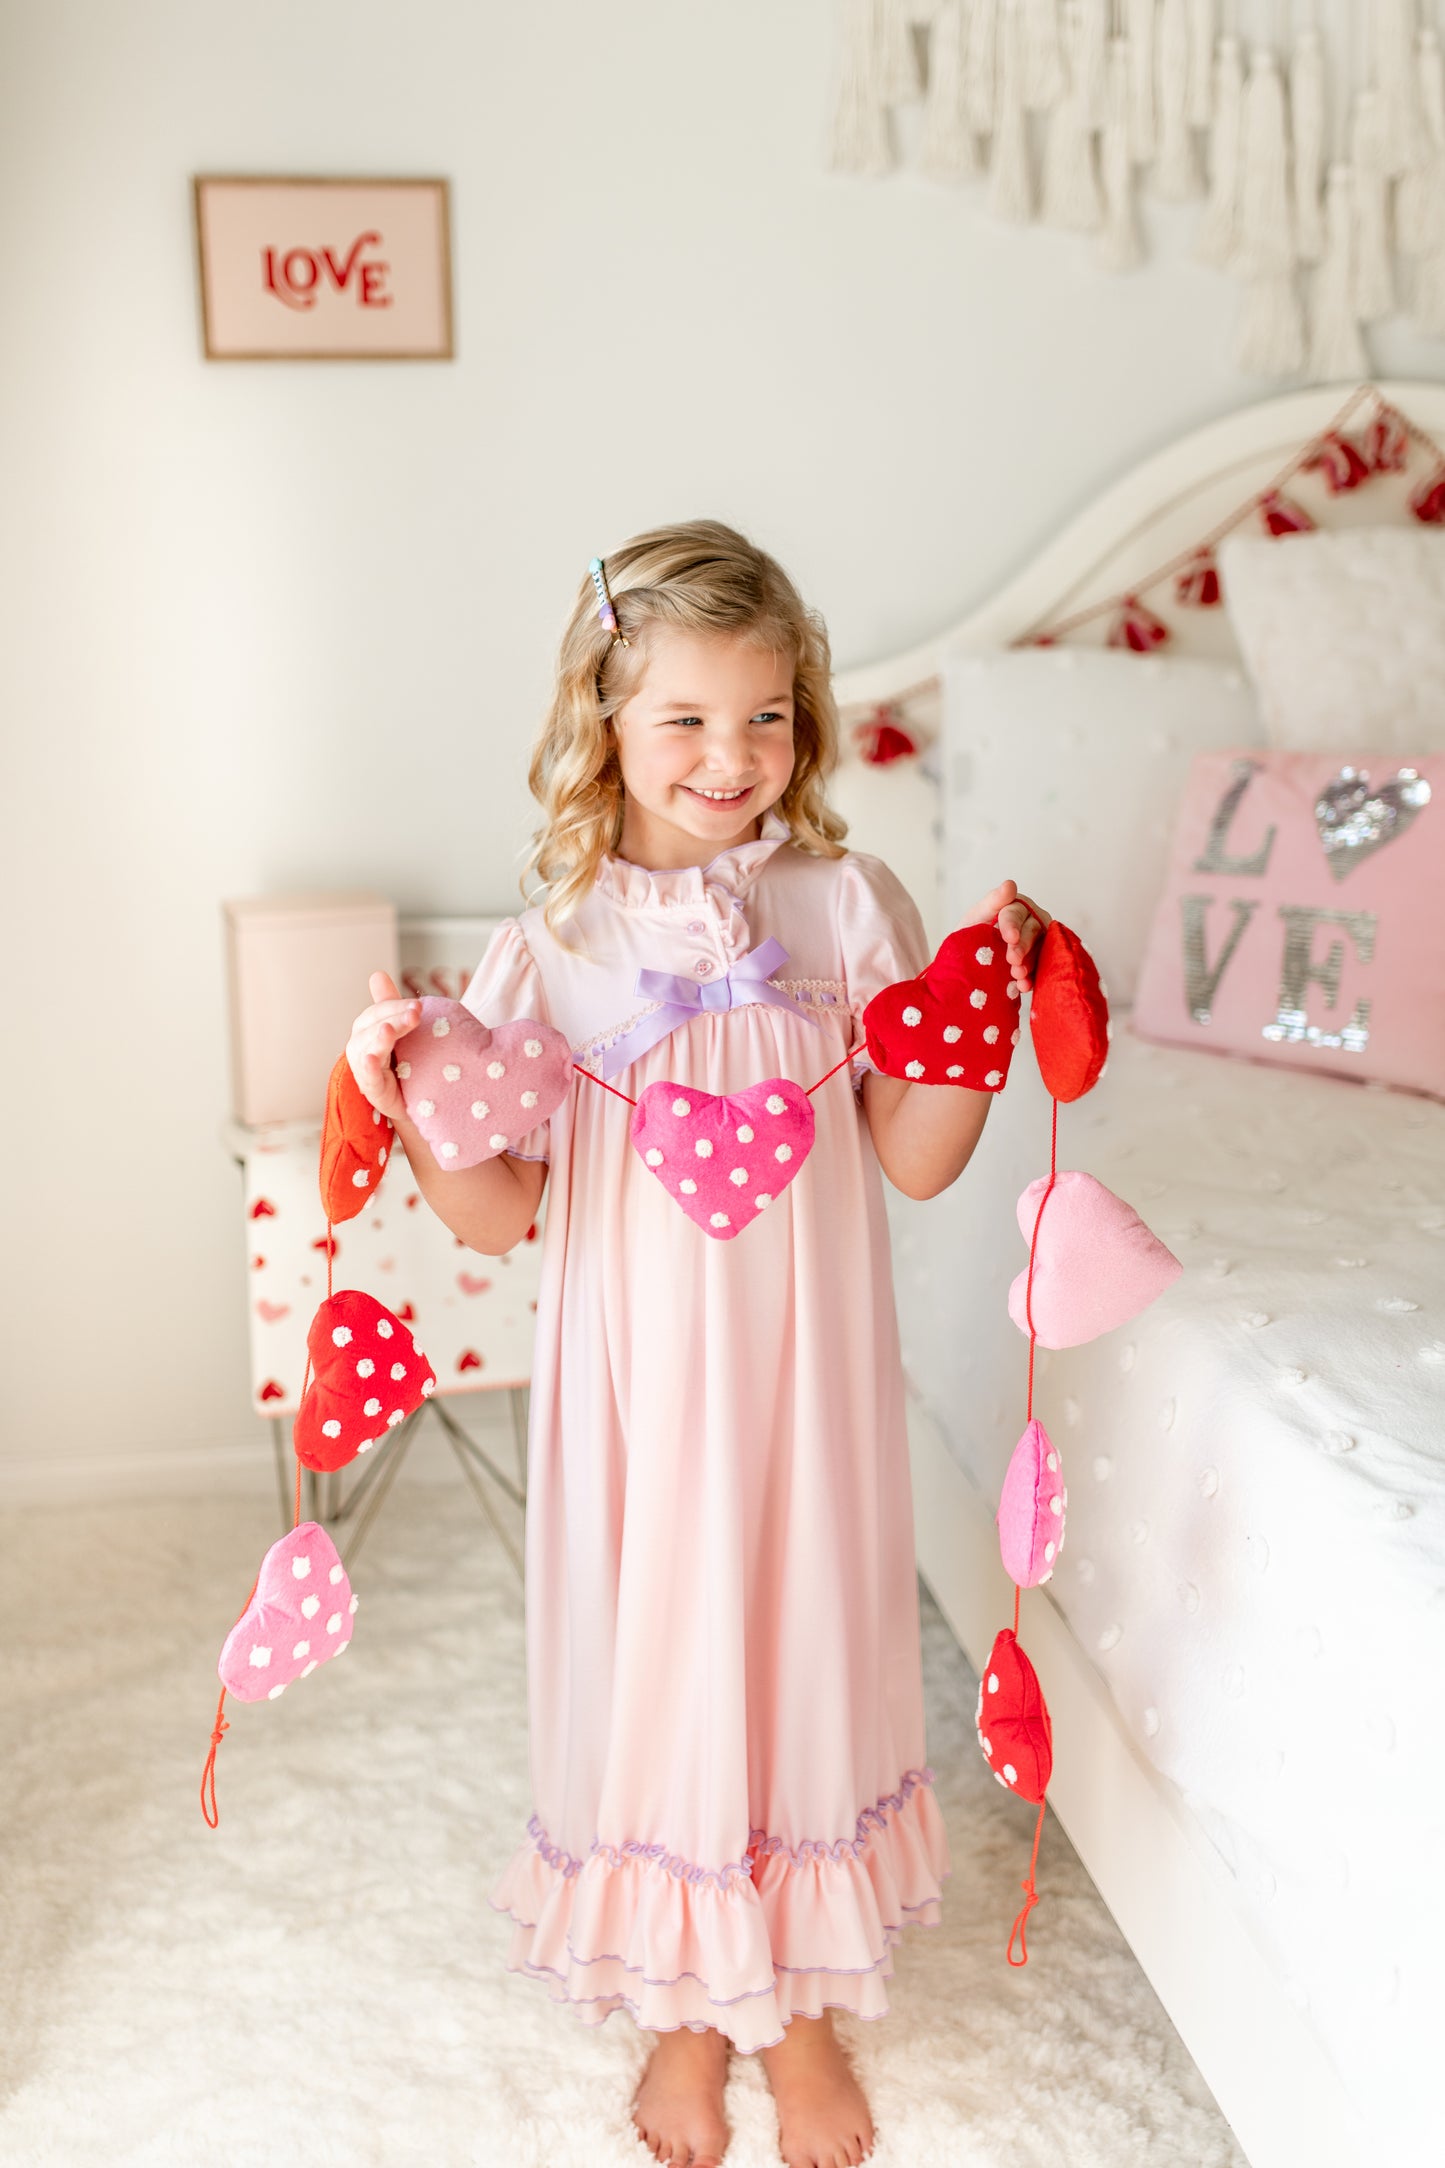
point(724, 1159)
point(471, 1285)
point(1096, 1264)
point(299, 1617)
point(1030, 1514)
point(272, 1312)
point(507, 1080)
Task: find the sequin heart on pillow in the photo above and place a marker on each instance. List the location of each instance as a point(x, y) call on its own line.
point(724, 1159)
point(299, 1615)
point(958, 1023)
point(471, 1089)
point(367, 1375)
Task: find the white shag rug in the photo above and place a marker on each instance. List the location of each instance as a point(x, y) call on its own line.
point(321, 1981)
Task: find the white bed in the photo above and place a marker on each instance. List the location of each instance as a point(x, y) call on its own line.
point(1243, 1646)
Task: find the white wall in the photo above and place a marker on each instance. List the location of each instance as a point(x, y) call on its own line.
point(291, 624)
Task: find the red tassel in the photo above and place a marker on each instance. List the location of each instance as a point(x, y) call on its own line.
point(882, 739)
point(1387, 443)
point(1282, 516)
point(1045, 639)
point(1137, 628)
point(1198, 584)
point(1428, 502)
point(1340, 462)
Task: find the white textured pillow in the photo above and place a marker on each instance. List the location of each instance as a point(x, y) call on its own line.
point(1343, 635)
point(1062, 769)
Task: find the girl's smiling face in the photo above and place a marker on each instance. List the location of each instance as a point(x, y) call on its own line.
point(704, 744)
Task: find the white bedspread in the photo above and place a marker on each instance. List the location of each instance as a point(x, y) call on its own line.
point(1254, 1548)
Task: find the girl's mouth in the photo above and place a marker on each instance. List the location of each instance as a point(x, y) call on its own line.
point(717, 797)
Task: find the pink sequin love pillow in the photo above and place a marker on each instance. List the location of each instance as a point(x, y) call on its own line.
point(471, 1090)
point(1095, 1263)
point(1030, 1516)
point(724, 1160)
point(299, 1616)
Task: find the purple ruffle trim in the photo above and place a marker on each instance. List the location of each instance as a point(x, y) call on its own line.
point(760, 1844)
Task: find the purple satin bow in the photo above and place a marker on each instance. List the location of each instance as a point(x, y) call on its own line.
point(683, 998)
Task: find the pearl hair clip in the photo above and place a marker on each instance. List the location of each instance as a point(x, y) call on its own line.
point(604, 602)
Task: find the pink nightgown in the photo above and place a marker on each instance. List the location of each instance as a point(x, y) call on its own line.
point(733, 1819)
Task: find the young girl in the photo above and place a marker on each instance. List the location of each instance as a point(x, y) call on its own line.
point(734, 1818)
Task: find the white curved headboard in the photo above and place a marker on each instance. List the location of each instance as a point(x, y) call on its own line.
point(1156, 514)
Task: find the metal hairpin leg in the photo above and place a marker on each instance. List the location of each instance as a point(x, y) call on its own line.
point(322, 1498)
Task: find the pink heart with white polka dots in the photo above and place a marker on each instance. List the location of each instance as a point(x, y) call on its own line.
point(724, 1159)
point(473, 1090)
point(299, 1616)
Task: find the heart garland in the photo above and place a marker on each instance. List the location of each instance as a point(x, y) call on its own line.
point(473, 1091)
point(957, 1023)
point(723, 1159)
point(298, 1616)
point(368, 1376)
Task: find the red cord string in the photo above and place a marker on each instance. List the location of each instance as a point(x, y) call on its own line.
point(632, 1102)
point(1031, 1898)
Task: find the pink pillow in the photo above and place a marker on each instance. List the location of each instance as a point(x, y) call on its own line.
point(1303, 916)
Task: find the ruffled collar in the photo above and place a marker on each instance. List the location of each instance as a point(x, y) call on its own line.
point(732, 872)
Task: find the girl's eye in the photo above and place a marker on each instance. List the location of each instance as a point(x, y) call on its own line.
point(768, 716)
point(682, 721)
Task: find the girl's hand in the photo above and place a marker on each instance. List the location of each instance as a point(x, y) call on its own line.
point(1021, 921)
point(373, 1035)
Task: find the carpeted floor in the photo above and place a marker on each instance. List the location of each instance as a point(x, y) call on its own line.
point(321, 1980)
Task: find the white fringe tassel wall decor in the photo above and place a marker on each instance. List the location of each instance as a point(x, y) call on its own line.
point(898, 77)
point(1071, 188)
point(1139, 37)
point(1090, 60)
point(1201, 62)
point(1219, 228)
point(1010, 184)
point(1307, 128)
point(1271, 330)
point(1370, 157)
point(980, 65)
point(1119, 246)
point(862, 138)
point(949, 151)
point(1176, 172)
point(1337, 351)
point(1420, 193)
point(1394, 27)
point(1043, 68)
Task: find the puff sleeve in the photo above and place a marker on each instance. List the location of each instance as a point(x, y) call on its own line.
point(882, 938)
point(506, 987)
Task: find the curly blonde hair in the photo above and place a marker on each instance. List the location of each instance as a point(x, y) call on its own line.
point(703, 577)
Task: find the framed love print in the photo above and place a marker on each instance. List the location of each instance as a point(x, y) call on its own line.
point(323, 270)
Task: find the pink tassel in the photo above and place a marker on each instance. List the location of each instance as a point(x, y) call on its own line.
point(1198, 584)
point(1340, 462)
point(1387, 444)
point(1282, 516)
point(1137, 628)
point(1428, 502)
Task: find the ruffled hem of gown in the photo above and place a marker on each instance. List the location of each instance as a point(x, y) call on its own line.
point(807, 1929)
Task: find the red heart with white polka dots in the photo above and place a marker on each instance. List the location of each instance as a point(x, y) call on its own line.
point(368, 1375)
point(726, 1159)
point(957, 1023)
point(1012, 1720)
point(472, 1090)
point(299, 1615)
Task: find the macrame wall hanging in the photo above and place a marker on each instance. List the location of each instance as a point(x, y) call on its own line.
point(1311, 131)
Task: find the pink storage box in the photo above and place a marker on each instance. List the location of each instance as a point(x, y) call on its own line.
point(297, 968)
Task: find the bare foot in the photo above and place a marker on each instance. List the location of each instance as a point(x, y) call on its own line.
point(823, 2119)
point(677, 2110)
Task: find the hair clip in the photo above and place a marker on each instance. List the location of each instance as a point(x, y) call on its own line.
point(604, 602)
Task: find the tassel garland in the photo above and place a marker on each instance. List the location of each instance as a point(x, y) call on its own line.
point(1071, 189)
point(1337, 351)
point(1010, 191)
point(1176, 174)
point(1307, 121)
point(1219, 228)
point(949, 150)
point(1119, 245)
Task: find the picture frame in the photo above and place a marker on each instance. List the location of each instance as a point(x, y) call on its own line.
point(313, 268)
